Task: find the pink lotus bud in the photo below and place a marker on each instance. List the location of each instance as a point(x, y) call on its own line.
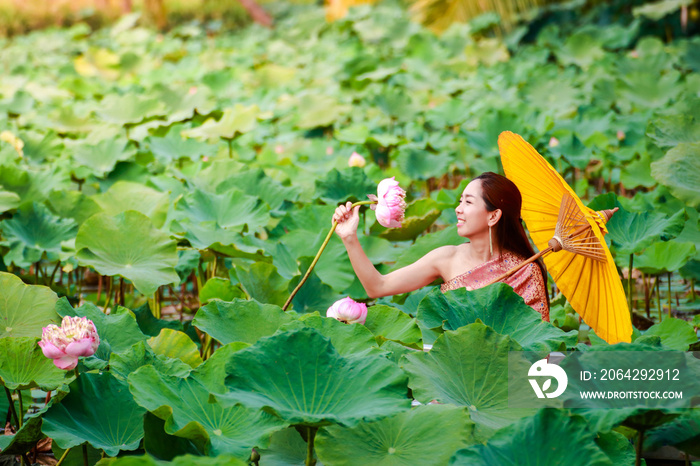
point(621, 135)
point(356, 160)
point(554, 142)
point(329, 150)
point(391, 205)
point(348, 311)
point(193, 90)
point(76, 337)
point(279, 149)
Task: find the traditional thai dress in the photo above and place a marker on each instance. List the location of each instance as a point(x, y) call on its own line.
point(527, 282)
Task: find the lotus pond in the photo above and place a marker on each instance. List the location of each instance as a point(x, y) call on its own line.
point(174, 187)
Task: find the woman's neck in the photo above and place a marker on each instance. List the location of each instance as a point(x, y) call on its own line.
point(480, 250)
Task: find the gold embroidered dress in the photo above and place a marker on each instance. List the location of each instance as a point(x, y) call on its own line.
point(527, 282)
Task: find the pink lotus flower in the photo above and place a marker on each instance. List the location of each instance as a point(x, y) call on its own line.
point(391, 205)
point(76, 337)
point(553, 142)
point(356, 160)
point(348, 311)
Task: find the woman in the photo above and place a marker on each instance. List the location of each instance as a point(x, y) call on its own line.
point(489, 215)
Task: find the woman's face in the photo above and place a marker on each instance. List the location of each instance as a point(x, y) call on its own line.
point(472, 216)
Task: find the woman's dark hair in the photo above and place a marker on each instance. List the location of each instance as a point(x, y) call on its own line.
point(499, 192)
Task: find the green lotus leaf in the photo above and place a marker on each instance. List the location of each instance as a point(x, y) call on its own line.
point(8, 200)
point(318, 110)
point(235, 121)
point(582, 49)
point(72, 204)
point(239, 320)
point(665, 257)
point(657, 10)
point(17, 299)
point(256, 183)
point(388, 323)
point(419, 216)
point(29, 185)
point(74, 457)
point(32, 232)
point(682, 433)
point(181, 103)
point(313, 296)
point(129, 109)
point(347, 339)
point(451, 113)
point(469, 367)
point(262, 283)
point(162, 445)
point(140, 354)
point(231, 210)
point(151, 326)
point(552, 431)
point(424, 435)
point(421, 164)
point(25, 438)
point(126, 195)
point(118, 329)
point(356, 134)
point(307, 382)
point(350, 184)
point(679, 170)
point(100, 410)
point(186, 460)
point(173, 147)
point(219, 426)
point(499, 307)
point(333, 268)
point(176, 345)
point(287, 448)
point(674, 333)
point(427, 243)
point(24, 366)
point(647, 89)
point(672, 130)
point(219, 288)
point(128, 245)
point(212, 373)
point(103, 156)
point(633, 232)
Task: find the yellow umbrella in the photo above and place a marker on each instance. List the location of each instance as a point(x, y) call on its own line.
point(557, 220)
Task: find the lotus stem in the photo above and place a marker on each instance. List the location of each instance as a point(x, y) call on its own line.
point(310, 436)
point(318, 256)
point(670, 296)
point(640, 440)
point(658, 297)
point(12, 405)
point(63, 456)
point(109, 294)
point(630, 288)
point(21, 410)
point(692, 288)
point(85, 457)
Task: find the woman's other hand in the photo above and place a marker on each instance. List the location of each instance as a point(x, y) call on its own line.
point(348, 219)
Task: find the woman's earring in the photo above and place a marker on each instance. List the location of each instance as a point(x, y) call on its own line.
point(490, 243)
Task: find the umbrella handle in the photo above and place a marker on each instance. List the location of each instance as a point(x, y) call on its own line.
point(520, 266)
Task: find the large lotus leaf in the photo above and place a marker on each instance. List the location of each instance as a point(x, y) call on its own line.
point(118, 329)
point(103, 156)
point(24, 366)
point(126, 195)
point(221, 289)
point(347, 339)
point(176, 345)
point(318, 110)
point(30, 186)
point(72, 204)
point(674, 333)
point(545, 438)
point(388, 323)
point(262, 283)
point(17, 300)
point(239, 320)
point(350, 184)
point(633, 232)
point(616, 446)
point(424, 435)
point(287, 448)
point(24, 439)
point(313, 296)
point(427, 243)
point(421, 164)
point(679, 170)
point(333, 268)
point(647, 89)
point(307, 382)
point(100, 410)
point(174, 147)
point(256, 183)
point(657, 10)
point(8, 200)
point(671, 130)
point(683, 433)
point(129, 109)
point(124, 363)
point(665, 257)
point(33, 231)
point(212, 373)
point(419, 216)
point(162, 445)
point(469, 367)
point(232, 210)
point(499, 307)
point(128, 245)
point(186, 460)
point(224, 427)
point(235, 121)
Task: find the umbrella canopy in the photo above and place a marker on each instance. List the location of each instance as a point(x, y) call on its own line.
point(589, 280)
